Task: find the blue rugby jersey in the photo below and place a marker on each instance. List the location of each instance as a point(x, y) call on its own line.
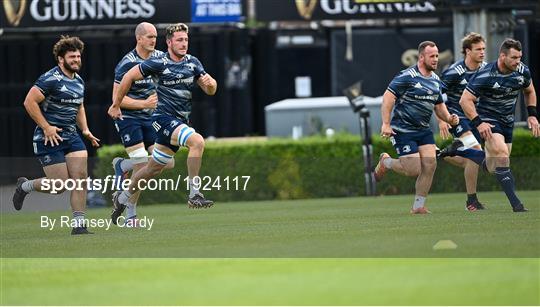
point(416, 97)
point(140, 89)
point(175, 82)
point(454, 80)
point(497, 93)
point(63, 97)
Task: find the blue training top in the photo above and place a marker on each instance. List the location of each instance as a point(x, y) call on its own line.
point(497, 93)
point(140, 89)
point(63, 98)
point(416, 97)
point(454, 80)
point(175, 82)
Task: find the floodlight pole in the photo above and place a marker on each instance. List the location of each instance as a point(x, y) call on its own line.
point(367, 151)
point(355, 97)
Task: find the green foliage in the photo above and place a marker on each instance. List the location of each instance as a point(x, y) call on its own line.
point(315, 167)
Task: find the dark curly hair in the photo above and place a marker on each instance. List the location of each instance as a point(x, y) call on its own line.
point(65, 44)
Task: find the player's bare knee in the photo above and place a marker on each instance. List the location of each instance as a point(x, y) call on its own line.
point(154, 169)
point(429, 165)
point(169, 165)
point(196, 142)
point(413, 172)
point(79, 175)
point(54, 185)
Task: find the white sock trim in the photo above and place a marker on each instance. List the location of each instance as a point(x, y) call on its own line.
point(192, 189)
point(28, 186)
point(126, 165)
point(419, 201)
point(124, 196)
point(387, 163)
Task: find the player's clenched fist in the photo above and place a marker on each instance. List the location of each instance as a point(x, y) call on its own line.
point(115, 112)
point(453, 120)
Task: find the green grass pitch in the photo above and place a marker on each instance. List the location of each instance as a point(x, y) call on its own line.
point(340, 251)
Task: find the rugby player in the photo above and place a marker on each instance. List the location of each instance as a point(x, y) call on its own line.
point(415, 92)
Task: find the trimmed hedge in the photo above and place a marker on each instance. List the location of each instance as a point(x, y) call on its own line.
point(316, 167)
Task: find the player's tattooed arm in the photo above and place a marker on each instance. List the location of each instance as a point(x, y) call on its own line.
point(31, 104)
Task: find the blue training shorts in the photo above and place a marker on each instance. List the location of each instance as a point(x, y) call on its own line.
point(464, 126)
point(48, 154)
point(164, 125)
point(407, 143)
point(500, 128)
point(134, 131)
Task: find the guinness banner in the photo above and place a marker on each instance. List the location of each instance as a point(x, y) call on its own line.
point(53, 13)
point(272, 10)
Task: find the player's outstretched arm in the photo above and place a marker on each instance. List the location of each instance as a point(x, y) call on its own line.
point(207, 84)
point(131, 76)
point(530, 101)
point(387, 105)
point(83, 125)
point(31, 104)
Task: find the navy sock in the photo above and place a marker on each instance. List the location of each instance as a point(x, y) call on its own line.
point(506, 180)
point(475, 155)
point(484, 166)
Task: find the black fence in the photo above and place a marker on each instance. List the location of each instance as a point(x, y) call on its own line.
point(253, 68)
point(225, 53)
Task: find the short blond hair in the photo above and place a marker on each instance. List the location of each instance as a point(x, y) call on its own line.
point(177, 27)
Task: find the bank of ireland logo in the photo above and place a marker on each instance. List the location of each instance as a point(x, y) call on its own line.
point(305, 8)
point(14, 10)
